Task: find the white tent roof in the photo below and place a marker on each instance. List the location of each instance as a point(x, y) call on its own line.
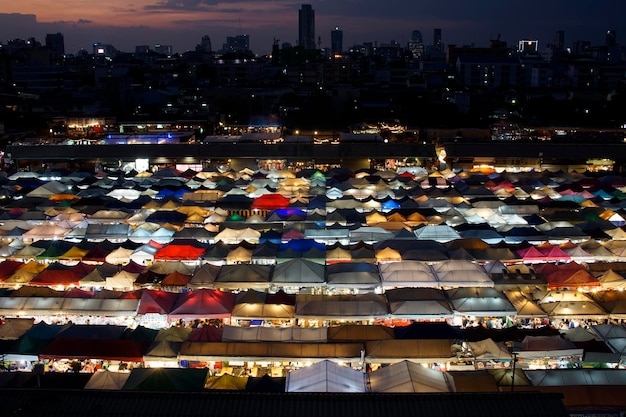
point(407, 274)
point(326, 376)
point(566, 377)
point(409, 376)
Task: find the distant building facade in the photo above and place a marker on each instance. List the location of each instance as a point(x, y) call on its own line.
point(336, 41)
point(306, 27)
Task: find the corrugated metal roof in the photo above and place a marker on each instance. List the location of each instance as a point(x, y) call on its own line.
point(69, 403)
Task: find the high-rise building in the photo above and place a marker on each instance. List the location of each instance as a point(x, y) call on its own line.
point(239, 43)
point(558, 43)
point(416, 44)
point(306, 26)
point(336, 41)
point(55, 42)
point(437, 42)
point(205, 43)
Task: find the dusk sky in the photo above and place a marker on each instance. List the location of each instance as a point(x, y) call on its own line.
point(182, 23)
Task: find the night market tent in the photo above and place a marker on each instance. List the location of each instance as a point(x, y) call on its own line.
point(237, 235)
point(612, 280)
point(162, 353)
point(206, 334)
point(175, 280)
point(204, 277)
point(299, 272)
point(539, 347)
point(407, 376)
point(270, 352)
point(275, 334)
point(243, 276)
point(418, 303)
point(525, 306)
point(203, 303)
point(326, 376)
point(359, 333)
point(226, 382)
point(438, 233)
point(105, 349)
point(568, 276)
point(107, 380)
point(179, 252)
point(489, 350)
point(119, 256)
point(166, 379)
point(461, 273)
point(507, 377)
point(45, 232)
point(407, 274)
point(565, 377)
point(480, 302)
point(569, 304)
point(254, 305)
point(415, 350)
point(341, 307)
point(156, 302)
point(613, 335)
point(122, 280)
point(370, 234)
point(14, 328)
point(31, 306)
point(105, 307)
point(48, 190)
point(239, 255)
point(360, 275)
point(173, 334)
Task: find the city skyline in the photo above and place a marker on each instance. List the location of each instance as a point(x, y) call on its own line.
point(182, 23)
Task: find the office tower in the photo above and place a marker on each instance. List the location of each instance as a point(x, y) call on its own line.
point(437, 43)
point(558, 43)
point(55, 42)
point(163, 49)
point(336, 41)
point(306, 20)
point(416, 44)
point(205, 43)
point(239, 43)
point(611, 38)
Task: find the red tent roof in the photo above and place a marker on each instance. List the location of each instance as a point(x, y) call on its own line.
point(56, 277)
point(203, 303)
point(179, 253)
point(206, 334)
point(177, 279)
point(569, 278)
point(270, 202)
point(78, 293)
point(8, 268)
point(154, 301)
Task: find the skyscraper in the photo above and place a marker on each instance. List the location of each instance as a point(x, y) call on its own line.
point(336, 41)
point(55, 42)
point(437, 43)
point(306, 20)
point(416, 44)
point(558, 43)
